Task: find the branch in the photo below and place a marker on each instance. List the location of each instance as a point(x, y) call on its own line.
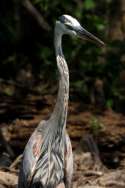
point(37, 16)
point(8, 179)
point(16, 161)
point(6, 145)
point(93, 149)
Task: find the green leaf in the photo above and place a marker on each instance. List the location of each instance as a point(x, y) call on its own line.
point(109, 103)
point(89, 4)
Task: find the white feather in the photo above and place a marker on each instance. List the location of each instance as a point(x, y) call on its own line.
point(74, 22)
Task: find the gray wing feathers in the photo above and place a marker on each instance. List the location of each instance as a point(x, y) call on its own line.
point(30, 157)
point(44, 168)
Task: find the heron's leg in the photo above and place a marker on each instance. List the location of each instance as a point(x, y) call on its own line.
point(61, 185)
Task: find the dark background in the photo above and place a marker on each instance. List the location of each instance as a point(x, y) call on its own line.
point(29, 85)
point(97, 76)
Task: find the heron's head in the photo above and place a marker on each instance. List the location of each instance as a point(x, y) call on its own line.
point(69, 25)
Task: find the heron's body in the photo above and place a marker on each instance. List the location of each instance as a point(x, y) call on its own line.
point(47, 159)
point(47, 169)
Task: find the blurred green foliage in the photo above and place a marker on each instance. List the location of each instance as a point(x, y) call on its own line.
point(96, 126)
point(23, 41)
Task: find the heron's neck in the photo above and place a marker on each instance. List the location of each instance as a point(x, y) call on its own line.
point(59, 114)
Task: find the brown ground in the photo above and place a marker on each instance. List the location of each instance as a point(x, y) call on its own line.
point(98, 140)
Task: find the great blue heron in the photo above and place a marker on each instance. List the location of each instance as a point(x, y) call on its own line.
point(47, 159)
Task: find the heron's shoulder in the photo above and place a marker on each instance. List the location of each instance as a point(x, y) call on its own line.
point(36, 139)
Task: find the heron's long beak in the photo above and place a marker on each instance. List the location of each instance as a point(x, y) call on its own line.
point(84, 34)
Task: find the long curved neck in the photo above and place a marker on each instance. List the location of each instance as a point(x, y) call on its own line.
point(59, 114)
